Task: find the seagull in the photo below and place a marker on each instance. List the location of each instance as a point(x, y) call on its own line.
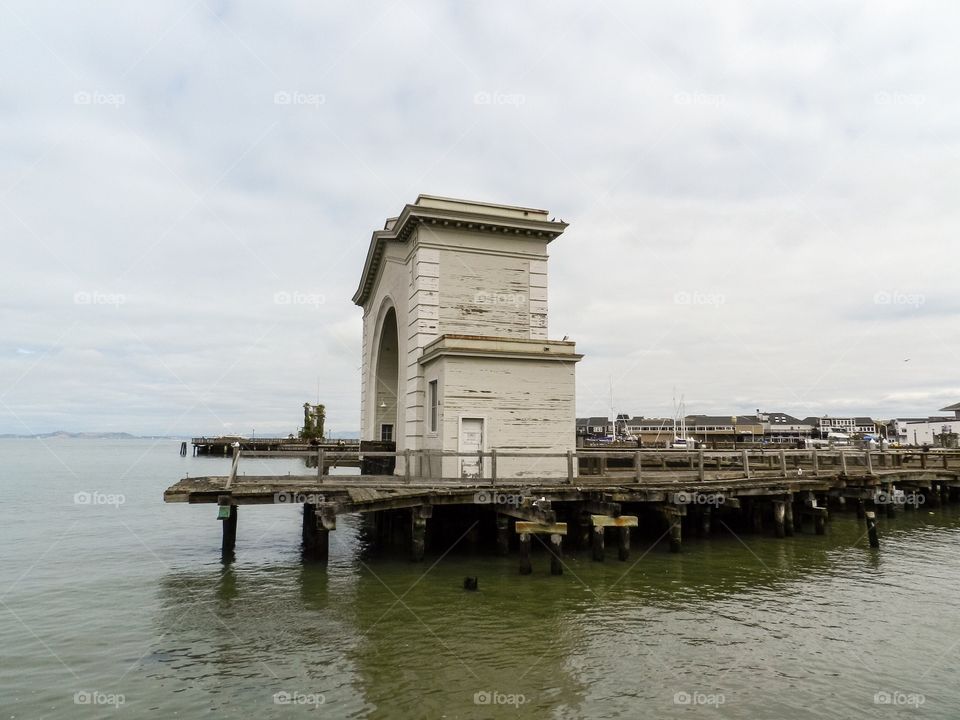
point(907, 360)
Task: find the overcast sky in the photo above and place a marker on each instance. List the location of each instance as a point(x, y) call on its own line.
point(762, 198)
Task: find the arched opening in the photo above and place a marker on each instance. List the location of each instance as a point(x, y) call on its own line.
point(386, 381)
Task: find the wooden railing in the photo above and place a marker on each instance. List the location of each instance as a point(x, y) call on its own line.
point(639, 465)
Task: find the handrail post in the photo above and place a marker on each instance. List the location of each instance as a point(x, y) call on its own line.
point(869, 461)
point(321, 461)
point(816, 462)
point(783, 462)
point(843, 461)
point(700, 463)
point(570, 466)
point(406, 464)
point(493, 466)
point(636, 465)
point(746, 463)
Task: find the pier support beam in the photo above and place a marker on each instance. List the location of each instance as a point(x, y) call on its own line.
point(316, 538)
point(673, 516)
point(622, 523)
point(525, 567)
point(705, 520)
point(871, 518)
point(503, 535)
point(820, 521)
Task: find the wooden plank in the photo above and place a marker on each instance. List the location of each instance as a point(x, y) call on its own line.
point(607, 521)
point(522, 526)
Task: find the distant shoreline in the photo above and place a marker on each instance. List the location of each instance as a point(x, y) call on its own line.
point(62, 434)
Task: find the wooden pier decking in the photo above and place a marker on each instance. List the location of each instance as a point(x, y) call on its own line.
point(760, 490)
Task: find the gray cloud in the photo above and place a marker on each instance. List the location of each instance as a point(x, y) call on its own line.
point(758, 197)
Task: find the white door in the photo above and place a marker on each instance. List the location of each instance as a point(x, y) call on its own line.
point(471, 441)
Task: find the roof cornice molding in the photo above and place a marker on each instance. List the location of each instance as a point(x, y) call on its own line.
point(414, 216)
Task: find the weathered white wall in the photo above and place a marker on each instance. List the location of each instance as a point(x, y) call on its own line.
point(528, 406)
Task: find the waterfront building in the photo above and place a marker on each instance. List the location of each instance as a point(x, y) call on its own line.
point(455, 354)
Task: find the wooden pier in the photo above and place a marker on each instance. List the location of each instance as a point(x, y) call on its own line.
point(223, 446)
point(604, 493)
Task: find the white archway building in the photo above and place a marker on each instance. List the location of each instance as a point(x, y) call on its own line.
point(455, 348)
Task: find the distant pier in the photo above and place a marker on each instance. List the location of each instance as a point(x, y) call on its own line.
point(223, 445)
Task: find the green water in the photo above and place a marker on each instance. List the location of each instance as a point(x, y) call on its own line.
point(129, 603)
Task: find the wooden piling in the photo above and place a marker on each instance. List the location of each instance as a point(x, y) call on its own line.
point(418, 533)
point(820, 521)
point(872, 529)
point(503, 535)
point(675, 533)
point(860, 510)
point(705, 518)
point(556, 564)
point(229, 541)
point(525, 567)
point(788, 517)
point(623, 544)
point(598, 549)
point(780, 518)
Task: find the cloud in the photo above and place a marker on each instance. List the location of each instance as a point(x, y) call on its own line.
point(180, 165)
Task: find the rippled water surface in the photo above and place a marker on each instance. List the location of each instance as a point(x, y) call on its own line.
point(129, 604)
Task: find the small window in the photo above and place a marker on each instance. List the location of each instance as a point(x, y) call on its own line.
point(386, 433)
point(434, 401)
